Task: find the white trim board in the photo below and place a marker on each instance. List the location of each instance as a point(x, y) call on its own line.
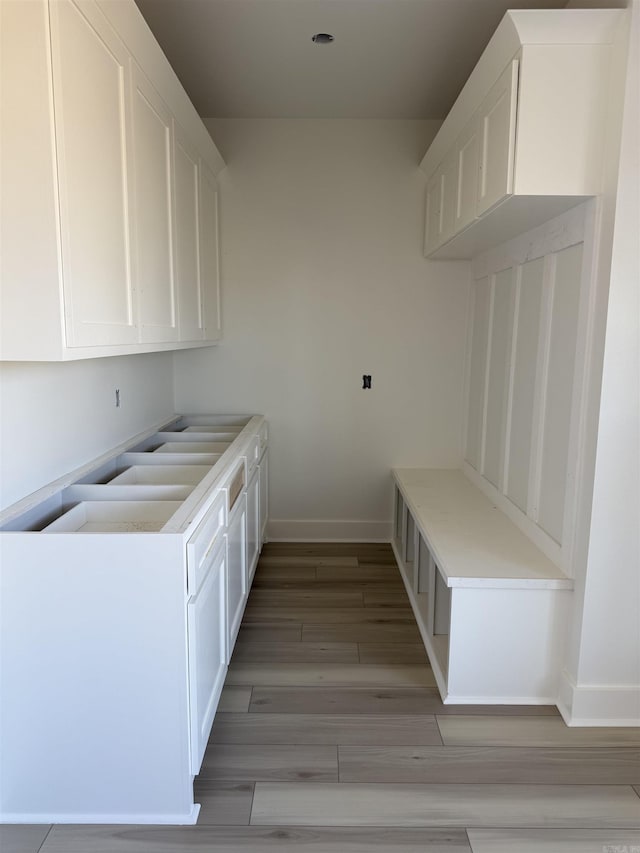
point(188, 819)
point(598, 704)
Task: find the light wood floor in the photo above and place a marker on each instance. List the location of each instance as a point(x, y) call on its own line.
point(331, 738)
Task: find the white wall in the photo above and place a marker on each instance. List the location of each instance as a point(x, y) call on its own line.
point(323, 281)
point(55, 417)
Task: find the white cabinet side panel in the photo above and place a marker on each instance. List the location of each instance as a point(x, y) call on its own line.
point(477, 372)
point(527, 330)
point(498, 366)
point(559, 390)
point(93, 644)
point(562, 105)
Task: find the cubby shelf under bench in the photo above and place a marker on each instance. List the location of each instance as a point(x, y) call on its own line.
point(492, 609)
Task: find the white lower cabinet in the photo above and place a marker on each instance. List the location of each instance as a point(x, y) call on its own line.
point(207, 630)
point(237, 562)
point(263, 469)
point(122, 589)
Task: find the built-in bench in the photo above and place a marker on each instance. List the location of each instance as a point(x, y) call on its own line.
point(492, 609)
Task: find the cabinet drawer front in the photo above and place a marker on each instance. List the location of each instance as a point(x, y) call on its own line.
point(203, 541)
point(206, 615)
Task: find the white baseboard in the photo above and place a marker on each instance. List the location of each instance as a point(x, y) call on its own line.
point(188, 819)
point(452, 699)
point(599, 704)
point(303, 530)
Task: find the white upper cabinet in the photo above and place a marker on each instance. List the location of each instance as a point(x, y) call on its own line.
point(209, 258)
point(433, 214)
point(441, 200)
point(90, 88)
point(497, 121)
point(525, 135)
point(467, 163)
point(187, 237)
point(102, 216)
point(153, 215)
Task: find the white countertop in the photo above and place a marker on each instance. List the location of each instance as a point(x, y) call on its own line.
point(472, 541)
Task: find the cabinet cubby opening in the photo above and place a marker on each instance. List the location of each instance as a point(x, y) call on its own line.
point(410, 548)
point(441, 619)
point(399, 515)
point(424, 579)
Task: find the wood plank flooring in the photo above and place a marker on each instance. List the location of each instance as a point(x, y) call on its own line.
point(331, 738)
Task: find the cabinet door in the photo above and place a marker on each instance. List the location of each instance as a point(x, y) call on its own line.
point(498, 125)
point(209, 258)
point(152, 213)
point(237, 587)
point(207, 630)
point(441, 198)
point(91, 104)
point(187, 219)
point(263, 469)
point(253, 524)
point(433, 213)
point(467, 163)
point(448, 180)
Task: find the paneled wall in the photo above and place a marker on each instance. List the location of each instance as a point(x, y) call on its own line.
point(528, 303)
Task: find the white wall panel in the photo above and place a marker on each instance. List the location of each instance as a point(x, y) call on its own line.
point(323, 281)
point(497, 384)
point(526, 332)
point(475, 412)
point(528, 395)
point(559, 390)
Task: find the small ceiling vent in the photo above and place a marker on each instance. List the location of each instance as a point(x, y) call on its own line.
point(323, 38)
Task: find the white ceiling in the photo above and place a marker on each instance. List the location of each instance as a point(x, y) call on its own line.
point(390, 58)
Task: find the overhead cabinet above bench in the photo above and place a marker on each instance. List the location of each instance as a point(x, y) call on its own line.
point(524, 140)
point(109, 199)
